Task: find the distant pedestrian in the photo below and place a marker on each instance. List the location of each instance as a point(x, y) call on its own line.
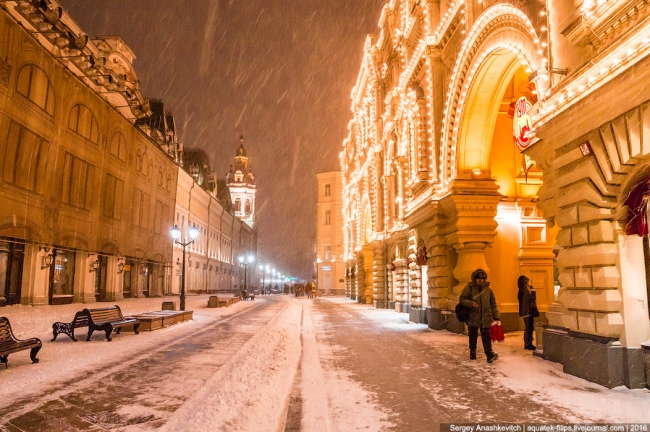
point(527, 299)
point(313, 290)
point(479, 298)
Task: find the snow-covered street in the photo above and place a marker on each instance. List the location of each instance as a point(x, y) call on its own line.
point(286, 363)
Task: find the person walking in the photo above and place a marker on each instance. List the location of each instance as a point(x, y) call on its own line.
point(527, 298)
point(478, 297)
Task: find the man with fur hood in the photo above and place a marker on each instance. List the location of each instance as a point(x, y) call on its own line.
point(478, 297)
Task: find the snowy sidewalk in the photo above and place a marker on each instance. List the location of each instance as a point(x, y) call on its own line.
point(517, 373)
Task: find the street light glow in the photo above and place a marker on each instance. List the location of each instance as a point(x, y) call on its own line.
point(194, 232)
point(176, 233)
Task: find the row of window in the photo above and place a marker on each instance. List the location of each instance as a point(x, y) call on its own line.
point(25, 166)
point(34, 85)
point(248, 206)
point(198, 246)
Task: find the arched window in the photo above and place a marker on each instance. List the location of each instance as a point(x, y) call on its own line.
point(83, 122)
point(35, 86)
point(144, 162)
point(118, 146)
point(237, 204)
point(138, 161)
point(248, 207)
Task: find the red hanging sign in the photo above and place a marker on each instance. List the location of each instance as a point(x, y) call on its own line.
point(522, 123)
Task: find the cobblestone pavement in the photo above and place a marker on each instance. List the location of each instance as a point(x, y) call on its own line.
point(422, 386)
point(158, 382)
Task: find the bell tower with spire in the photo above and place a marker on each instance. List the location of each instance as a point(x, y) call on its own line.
point(241, 183)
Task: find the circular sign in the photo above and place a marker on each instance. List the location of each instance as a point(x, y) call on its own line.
point(522, 123)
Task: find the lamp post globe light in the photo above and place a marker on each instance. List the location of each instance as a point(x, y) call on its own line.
point(176, 236)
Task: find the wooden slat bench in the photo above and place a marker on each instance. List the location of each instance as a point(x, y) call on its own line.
point(107, 319)
point(9, 344)
point(80, 320)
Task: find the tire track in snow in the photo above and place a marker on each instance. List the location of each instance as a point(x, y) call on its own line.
point(142, 390)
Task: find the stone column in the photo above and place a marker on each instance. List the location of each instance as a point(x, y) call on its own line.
point(472, 209)
point(439, 275)
point(347, 279)
point(400, 282)
point(390, 281)
point(378, 269)
point(113, 280)
point(365, 275)
point(35, 279)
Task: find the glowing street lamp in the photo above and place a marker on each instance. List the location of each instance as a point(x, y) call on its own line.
point(176, 235)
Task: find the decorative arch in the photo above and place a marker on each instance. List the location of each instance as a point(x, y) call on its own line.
point(35, 85)
point(83, 122)
point(502, 39)
point(118, 146)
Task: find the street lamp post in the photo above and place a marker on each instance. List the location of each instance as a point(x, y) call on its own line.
point(176, 235)
point(245, 260)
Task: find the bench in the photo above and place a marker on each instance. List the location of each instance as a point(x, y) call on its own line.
point(9, 344)
point(80, 320)
point(150, 321)
point(107, 319)
point(217, 302)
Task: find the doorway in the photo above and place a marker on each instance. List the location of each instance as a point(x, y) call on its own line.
point(11, 272)
point(100, 279)
point(62, 277)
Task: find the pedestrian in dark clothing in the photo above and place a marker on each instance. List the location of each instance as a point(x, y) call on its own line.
point(478, 297)
point(527, 298)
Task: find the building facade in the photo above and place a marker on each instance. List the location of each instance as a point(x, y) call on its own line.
point(94, 178)
point(510, 137)
point(330, 266)
point(87, 197)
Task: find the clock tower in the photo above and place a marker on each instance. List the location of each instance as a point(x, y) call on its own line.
point(241, 184)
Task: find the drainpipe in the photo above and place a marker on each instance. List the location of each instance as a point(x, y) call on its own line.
point(189, 212)
point(207, 247)
point(385, 272)
point(219, 259)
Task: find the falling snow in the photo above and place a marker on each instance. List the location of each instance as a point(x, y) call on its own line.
point(278, 71)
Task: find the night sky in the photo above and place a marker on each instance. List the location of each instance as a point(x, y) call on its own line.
point(280, 72)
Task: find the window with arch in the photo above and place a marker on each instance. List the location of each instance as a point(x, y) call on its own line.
point(248, 207)
point(237, 204)
point(35, 86)
point(328, 217)
point(83, 122)
point(118, 146)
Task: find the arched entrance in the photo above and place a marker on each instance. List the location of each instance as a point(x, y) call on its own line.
point(493, 186)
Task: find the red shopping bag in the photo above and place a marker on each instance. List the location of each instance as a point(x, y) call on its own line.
point(496, 332)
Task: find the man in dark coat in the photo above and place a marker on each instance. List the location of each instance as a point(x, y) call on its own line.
point(526, 298)
point(478, 297)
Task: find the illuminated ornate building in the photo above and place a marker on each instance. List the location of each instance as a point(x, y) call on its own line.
point(511, 137)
